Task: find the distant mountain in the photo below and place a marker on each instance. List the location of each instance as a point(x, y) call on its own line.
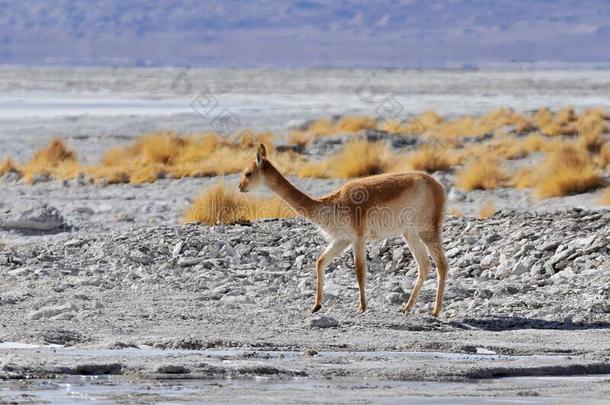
point(293, 33)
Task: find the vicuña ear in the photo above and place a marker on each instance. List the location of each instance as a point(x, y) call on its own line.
point(261, 153)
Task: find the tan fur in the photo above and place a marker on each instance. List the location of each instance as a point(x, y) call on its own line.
point(410, 204)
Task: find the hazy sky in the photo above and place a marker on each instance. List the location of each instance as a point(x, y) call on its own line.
point(344, 33)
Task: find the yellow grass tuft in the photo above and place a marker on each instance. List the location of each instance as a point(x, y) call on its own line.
point(565, 116)
point(603, 158)
point(428, 120)
point(352, 124)
point(160, 148)
point(349, 124)
point(357, 159)
point(523, 178)
point(431, 159)
point(485, 174)
point(487, 210)
point(469, 126)
point(395, 127)
point(562, 123)
point(543, 117)
point(249, 139)
point(153, 156)
point(416, 125)
point(8, 166)
point(54, 160)
point(534, 143)
point(221, 205)
point(321, 127)
point(568, 170)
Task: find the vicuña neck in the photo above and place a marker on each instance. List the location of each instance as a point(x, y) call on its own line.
point(295, 198)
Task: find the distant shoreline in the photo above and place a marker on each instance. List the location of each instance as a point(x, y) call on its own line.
point(451, 67)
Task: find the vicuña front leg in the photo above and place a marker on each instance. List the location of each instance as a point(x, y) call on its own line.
point(435, 248)
point(335, 248)
point(360, 262)
point(418, 250)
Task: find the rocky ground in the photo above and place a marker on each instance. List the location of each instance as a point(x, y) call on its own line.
point(520, 284)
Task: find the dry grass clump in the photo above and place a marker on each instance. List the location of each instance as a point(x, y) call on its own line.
point(567, 170)
point(395, 127)
point(352, 124)
point(477, 127)
point(560, 123)
point(482, 174)
point(534, 143)
point(431, 158)
point(8, 166)
point(221, 205)
point(54, 160)
point(523, 178)
point(416, 125)
point(487, 210)
point(603, 157)
point(592, 130)
point(166, 154)
point(349, 124)
point(357, 159)
point(507, 147)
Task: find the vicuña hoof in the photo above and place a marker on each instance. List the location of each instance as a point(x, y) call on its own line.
point(316, 308)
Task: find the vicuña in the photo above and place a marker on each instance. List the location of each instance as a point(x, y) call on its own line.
point(410, 204)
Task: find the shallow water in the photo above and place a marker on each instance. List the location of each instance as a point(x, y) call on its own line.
point(106, 390)
point(284, 389)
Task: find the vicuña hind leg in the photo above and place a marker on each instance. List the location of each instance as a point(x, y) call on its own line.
point(335, 248)
point(435, 248)
point(418, 250)
point(360, 262)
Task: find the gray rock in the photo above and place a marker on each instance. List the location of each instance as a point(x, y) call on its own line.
point(140, 257)
point(493, 238)
point(189, 261)
point(451, 253)
point(394, 298)
point(550, 246)
point(51, 311)
point(456, 195)
point(173, 369)
point(561, 255)
point(483, 294)
point(298, 262)
point(323, 322)
point(34, 217)
point(177, 248)
point(84, 210)
point(522, 267)
point(235, 299)
point(397, 254)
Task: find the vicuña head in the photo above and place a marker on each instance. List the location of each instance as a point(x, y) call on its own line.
point(252, 175)
point(411, 204)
